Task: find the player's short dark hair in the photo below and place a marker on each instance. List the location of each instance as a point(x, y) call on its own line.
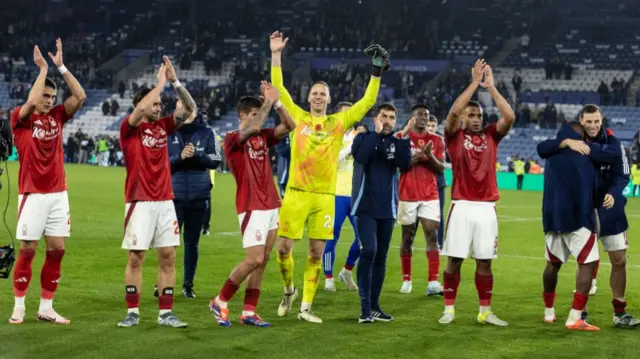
point(474, 104)
point(342, 104)
point(48, 82)
point(589, 108)
point(433, 118)
point(576, 126)
point(140, 94)
point(248, 103)
point(420, 105)
point(386, 107)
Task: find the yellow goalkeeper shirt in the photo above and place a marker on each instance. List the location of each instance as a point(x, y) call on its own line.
point(316, 141)
point(345, 166)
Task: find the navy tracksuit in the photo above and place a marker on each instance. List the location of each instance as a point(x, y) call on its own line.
point(283, 151)
point(191, 183)
point(572, 182)
point(442, 193)
point(375, 205)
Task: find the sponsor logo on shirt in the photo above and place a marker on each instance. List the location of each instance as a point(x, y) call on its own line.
point(154, 138)
point(46, 130)
point(477, 143)
point(256, 148)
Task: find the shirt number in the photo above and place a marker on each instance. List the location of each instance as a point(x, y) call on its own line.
point(328, 223)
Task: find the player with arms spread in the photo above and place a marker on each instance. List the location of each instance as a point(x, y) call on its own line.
point(150, 215)
point(419, 198)
point(310, 193)
point(472, 221)
point(43, 200)
point(257, 202)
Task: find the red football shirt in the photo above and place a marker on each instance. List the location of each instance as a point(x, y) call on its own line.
point(39, 143)
point(251, 167)
point(420, 182)
point(146, 158)
point(473, 160)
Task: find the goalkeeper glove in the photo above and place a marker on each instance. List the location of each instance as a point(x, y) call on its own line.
point(379, 56)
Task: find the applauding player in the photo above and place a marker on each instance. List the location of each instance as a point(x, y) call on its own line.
point(419, 198)
point(310, 193)
point(257, 202)
point(150, 215)
point(43, 201)
point(472, 221)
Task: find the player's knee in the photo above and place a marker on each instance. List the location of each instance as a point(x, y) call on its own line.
point(618, 260)
point(167, 258)
point(257, 260)
point(135, 260)
point(29, 245)
point(285, 246)
point(55, 243)
point(483, 266)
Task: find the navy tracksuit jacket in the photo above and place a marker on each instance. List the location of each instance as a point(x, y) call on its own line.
point(191, 183)
point(375, 206)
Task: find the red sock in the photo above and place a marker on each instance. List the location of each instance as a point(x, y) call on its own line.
point(22, 273)
point(348, 267)
point(451, 282)
point(251, 296)
point(619, 307)
point(549, 299)
point(405, 260)
point(595, 270)
point(328, 276)
point(228, 290)
point(484, 286)
point(433, 258)
point(132, 297)
point(579, 301)
point(165, 300)
point(50, 275)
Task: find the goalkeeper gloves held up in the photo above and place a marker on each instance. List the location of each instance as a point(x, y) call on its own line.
point(379, 56)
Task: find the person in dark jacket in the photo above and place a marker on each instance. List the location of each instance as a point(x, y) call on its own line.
point(283, 152)
point(193, 150)
point(378, 156)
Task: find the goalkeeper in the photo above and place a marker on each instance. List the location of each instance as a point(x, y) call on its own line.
point(310, 193)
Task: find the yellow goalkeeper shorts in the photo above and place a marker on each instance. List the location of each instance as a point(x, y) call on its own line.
point(316, 210)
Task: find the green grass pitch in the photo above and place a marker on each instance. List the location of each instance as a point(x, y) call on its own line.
point(91, 294)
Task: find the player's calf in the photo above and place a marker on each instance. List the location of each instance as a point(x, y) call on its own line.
point(21, 278)
point(406, 255)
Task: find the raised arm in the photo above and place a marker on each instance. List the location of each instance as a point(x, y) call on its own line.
point(137, 115)
point(508, 117)
point(287, 123)
point(277, 44)
point(75, 101)
point(184, 114)
point(253, 127)
point(37, 90)
point(454, 119)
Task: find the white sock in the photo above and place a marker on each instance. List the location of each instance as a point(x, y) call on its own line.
point(221, 302)
point(248, 313)
point(346, 270)
point(45, 304)
point(164, 311)
point(305, 306)
point(593, 282)
point(19, 302)
point(549, 312)
point(289, 289)
point(449, 308)
point(134, 310)
point(329, 280)
point(484, 309)
point(574, 316)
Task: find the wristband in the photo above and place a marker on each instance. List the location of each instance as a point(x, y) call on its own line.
point(277, 105)
point(176, 84)
point(62, 69)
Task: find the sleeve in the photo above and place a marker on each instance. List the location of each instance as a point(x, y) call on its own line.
point(621, 172)
point(357, 112)
point(364, 147)
point(277, 80)
point(438, 149)
point(345, 151)
point(606, 153)
point(16, 123)
point(269, 136)
point(548, 148)
point(495, 134)
point(169, 124)
point(212, 153)
point(174, 154)
point(403, 155)
point(231, 142)
point(60, 114)
point(126, 130)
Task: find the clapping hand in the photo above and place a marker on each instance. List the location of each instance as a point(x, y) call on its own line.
point(38, 59)
point(188, 151)
point(478, 71)
point(57, 58)
point(488, 78)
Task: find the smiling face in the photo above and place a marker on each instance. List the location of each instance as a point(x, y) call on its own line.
point(319, 98)
point(592, 123)
point(152, 113)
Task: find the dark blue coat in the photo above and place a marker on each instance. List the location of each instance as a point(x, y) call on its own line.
point(375, 178)
point(571, 183)
point(283, 151)
point(190, 177)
